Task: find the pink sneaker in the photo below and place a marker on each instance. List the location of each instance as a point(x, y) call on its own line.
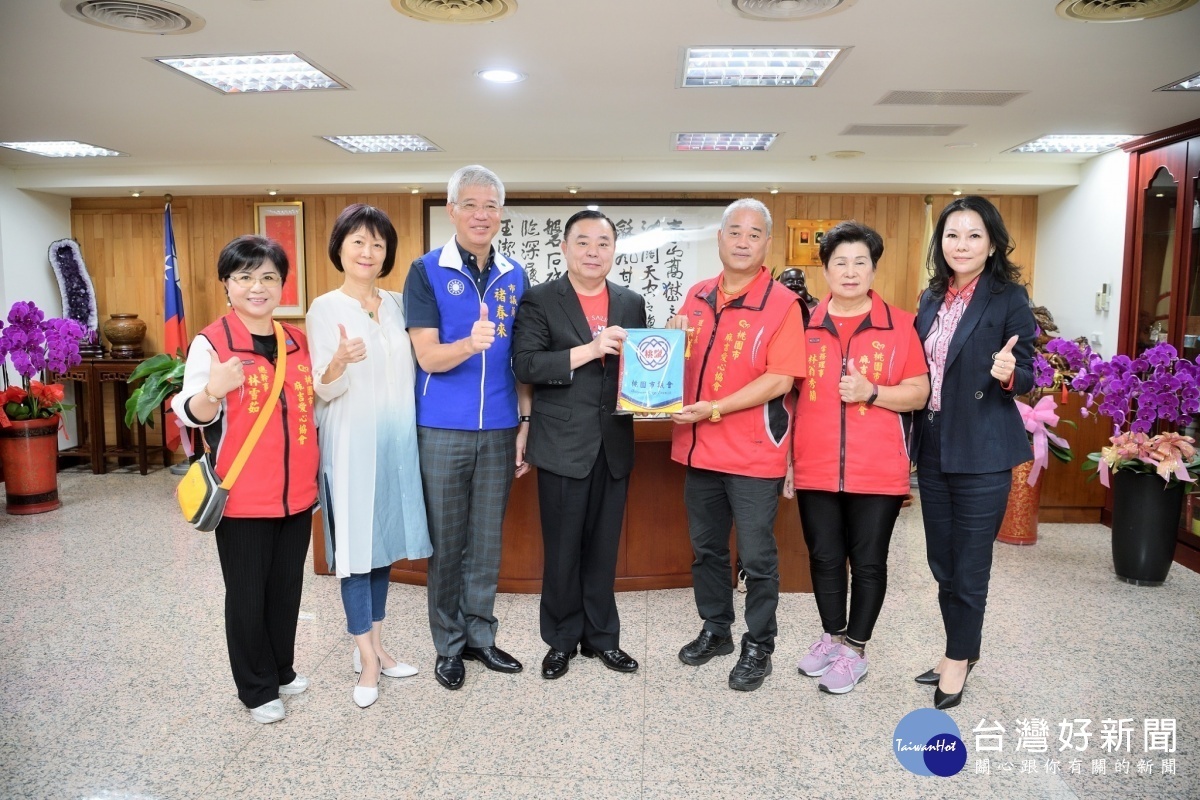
point(820, 657)
point(847, 669)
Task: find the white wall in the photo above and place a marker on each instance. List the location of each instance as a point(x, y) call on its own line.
point(29, 222)
point(1081, 245)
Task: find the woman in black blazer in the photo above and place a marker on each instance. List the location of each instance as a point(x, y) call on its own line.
point(978, 332)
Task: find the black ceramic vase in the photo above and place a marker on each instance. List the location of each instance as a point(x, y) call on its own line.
point(1144, 526)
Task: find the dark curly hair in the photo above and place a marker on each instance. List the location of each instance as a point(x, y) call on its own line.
point(848, 233)
point(998, 268)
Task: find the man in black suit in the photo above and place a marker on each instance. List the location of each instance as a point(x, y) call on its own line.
point(566, 344)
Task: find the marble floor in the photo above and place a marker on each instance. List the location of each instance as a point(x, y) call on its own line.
point(114, 684)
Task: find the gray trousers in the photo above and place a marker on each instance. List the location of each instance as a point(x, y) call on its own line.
point(715, 501)
point(466, 477)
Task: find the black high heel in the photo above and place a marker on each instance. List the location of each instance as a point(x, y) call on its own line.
point(942, 700)
point(931, 678)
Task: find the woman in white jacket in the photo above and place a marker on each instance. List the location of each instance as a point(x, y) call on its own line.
point(370, 478)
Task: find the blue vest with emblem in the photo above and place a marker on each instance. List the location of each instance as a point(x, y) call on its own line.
point(481, 392)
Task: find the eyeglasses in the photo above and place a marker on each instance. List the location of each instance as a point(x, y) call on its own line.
point(269, 280)
point(470, 207)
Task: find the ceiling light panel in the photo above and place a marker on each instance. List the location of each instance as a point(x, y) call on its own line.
point(716, 142)
point(963, 98)
point(901, 130)
point(61, 149)
point(1189, 84)
point(386, 143)
point(255, 72)
point(757, 66)
point(1087, 144)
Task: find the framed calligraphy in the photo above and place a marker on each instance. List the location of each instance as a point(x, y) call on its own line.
point(284, 222)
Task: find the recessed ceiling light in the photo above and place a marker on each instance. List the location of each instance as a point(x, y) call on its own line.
point(386, 143)
point(773, 189)
point(272, 192)
point(724, 141)
point(573, 189)
point(1080, 143)
point(61, 149)
point(593, 208)
point(956, 192)
point(757, 66)
point(254, 72)
point(135, 193)
point(414, 190)
point(501, 75)
point(1188, 84)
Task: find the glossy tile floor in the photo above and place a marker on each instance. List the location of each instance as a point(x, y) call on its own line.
point(114, 683)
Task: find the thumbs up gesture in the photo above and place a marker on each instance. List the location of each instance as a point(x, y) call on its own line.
point(224, 376)
point(349, 351)
point(483, 332)
point(1004, 362)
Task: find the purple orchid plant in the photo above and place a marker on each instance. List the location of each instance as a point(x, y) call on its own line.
point(34, 345)
point(1150, 398)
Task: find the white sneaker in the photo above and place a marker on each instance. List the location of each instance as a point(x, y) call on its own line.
point(268, 712)
point(295, 687)
point(401, 670)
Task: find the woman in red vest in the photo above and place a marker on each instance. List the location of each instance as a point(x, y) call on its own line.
point(850, 467)
point(262, 539)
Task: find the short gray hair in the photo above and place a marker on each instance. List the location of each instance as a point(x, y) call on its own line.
point(747, 204)
point(473, 175)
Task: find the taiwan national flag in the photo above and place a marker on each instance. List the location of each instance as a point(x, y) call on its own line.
point(174, 328)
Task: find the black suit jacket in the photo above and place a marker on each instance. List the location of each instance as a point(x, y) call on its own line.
point(982, 429)
point(572, 410)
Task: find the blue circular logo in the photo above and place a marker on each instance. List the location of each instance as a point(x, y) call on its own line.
point(456, 287)
point(653, 352)
point(928, 742)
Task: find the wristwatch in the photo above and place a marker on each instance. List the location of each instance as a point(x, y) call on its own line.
point(874, 394)
point(715, 416)
point(209, 396)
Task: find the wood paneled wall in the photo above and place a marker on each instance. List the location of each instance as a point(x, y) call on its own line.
point(122, 241)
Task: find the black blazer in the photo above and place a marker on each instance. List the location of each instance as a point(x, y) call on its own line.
point(981, 427)
point(572, 411)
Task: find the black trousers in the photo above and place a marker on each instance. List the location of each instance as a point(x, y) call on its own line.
point(581, 531)
point(841, 525)
point(716, 501)
point(962, 513)
point(262, 561)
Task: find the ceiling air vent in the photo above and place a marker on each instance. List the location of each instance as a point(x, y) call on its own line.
point(454, 11)
point(777, 10)
point(968, 98)
point(901, 130)
point(1119, 10)
point(153, 16)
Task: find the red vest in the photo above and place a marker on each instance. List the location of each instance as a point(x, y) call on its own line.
point(726, 351)
point(853, 448)
point(280, 476)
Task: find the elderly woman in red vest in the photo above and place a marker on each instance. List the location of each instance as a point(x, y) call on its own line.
point(850, 467)
point(262, 540)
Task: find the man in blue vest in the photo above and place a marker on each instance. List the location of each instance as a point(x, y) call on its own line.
point(472, 418)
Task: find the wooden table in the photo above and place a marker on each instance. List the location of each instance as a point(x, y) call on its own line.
point(655, 551)
point(89, 379)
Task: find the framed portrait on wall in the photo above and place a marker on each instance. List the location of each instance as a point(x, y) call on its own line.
point(284, 222)
point(804, 241)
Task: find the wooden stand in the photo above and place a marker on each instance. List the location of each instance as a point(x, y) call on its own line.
point(655, 551)
point(89, 379)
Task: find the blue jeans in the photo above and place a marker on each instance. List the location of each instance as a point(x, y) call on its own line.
point(365, 599)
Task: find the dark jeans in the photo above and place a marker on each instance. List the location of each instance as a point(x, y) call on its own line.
point(262, 561)
point(581, 532)
point(962, 513)
point(715, 502)
point(837, 526)
point(364, 596)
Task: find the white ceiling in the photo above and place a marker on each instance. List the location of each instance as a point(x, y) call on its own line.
point(600, 104)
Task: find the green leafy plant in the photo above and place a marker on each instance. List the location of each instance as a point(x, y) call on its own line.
point(161, 376)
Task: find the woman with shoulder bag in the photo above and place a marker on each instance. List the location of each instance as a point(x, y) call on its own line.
point(262, 538)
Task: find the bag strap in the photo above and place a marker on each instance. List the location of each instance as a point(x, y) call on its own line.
point(264, 415)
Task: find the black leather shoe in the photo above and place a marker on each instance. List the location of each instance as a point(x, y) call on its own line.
point(943, 700)
point(931, 678)
point(617, 659)
point(701, 649)
point(556, 662)
point(752, 668)
point(493, 658)
point(450, 672)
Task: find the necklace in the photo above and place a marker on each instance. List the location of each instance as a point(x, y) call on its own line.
point(372, 295)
